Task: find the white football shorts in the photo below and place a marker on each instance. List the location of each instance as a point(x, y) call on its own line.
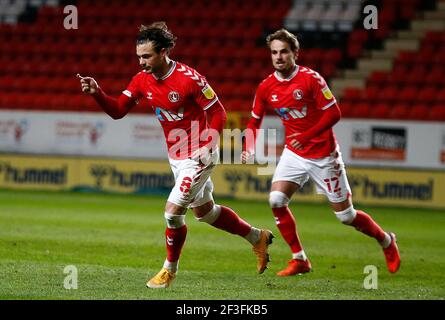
point(193, 186)
point(328, 173)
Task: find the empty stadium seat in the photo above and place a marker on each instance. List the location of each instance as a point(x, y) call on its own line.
point(399, 111)
point(418, 112)
point(361, 110)
point(379, 111)
point(437, 113)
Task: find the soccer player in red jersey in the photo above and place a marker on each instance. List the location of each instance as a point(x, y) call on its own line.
point(192, 117)
point(308, 110)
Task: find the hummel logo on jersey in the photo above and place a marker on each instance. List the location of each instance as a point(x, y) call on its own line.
point(286, 113)
point(150, 95)
point(169, 115)
point(274, 98)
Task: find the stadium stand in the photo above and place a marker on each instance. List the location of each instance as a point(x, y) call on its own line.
point(405, 74)
point(391, 72)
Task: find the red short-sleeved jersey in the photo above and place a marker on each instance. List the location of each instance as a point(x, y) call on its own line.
point(299, 100)
point(179, 100)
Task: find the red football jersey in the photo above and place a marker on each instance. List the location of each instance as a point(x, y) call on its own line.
point(179, 100)
point(299, 101)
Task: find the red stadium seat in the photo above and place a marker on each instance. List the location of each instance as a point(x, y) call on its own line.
point(372, 93)
point(333, 55)
point(416, 76)
point(43, 100)
point(346, 109)
point(379, 111)
point(328, 70)
point(432, 37)
point(28, 101)
point(353, 94)
point(437, 113)
point(408, 94)
point(359, 35)
point(398, 74)
point(407, 57)
point(427, 95)
point(435, 77)
point(399, 111)
point(440, 97)
point(361, 110)
point(378, 78)
point(418, 112)
point(354, 50)
point(8, 100)
point(389, 93)
point(5, 83)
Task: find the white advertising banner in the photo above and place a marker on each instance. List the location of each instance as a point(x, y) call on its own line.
point(91, 134)
point(373, 143)
point(383, 143)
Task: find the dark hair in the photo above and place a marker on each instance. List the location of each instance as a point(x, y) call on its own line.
point(285, 36)
point(158, 34)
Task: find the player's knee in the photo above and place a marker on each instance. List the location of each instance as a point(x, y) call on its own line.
point(174, 221)
point(346, 216)
point(211, 216)
point(278, 199)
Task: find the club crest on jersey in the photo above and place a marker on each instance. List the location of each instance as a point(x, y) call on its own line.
point(208, 92)
point(173, 96)
point(327, 93)
point(274, 98)
point(298, 94)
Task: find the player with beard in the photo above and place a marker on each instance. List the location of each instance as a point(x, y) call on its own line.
point(308, 110)
point(184, 104)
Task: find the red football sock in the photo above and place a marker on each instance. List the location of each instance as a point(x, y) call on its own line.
point(286, 224)
point(174, 240)
point(364, 223)
point(229, 221)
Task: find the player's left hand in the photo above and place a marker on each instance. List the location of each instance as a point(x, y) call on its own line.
point(201, 155)
point(294, 142)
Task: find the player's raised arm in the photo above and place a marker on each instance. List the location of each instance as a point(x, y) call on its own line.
point(115, 108)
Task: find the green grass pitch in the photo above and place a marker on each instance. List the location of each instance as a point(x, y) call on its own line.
point(116, 242)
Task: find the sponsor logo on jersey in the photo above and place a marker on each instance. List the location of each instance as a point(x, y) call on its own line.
point(173, 96)
point(163, 114)
point(274, 98)
point(287, 113)
point(208, 92)
point(150, 95)
point(327, 93)
point(298, 94)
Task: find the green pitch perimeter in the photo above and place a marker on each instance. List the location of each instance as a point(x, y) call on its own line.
point(116, 242)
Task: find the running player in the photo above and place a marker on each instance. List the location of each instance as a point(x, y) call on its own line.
point(308, 110)
point(192, 117)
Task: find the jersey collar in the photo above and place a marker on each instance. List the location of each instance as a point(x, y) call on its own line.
point(168, 74)
point(291, 76)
